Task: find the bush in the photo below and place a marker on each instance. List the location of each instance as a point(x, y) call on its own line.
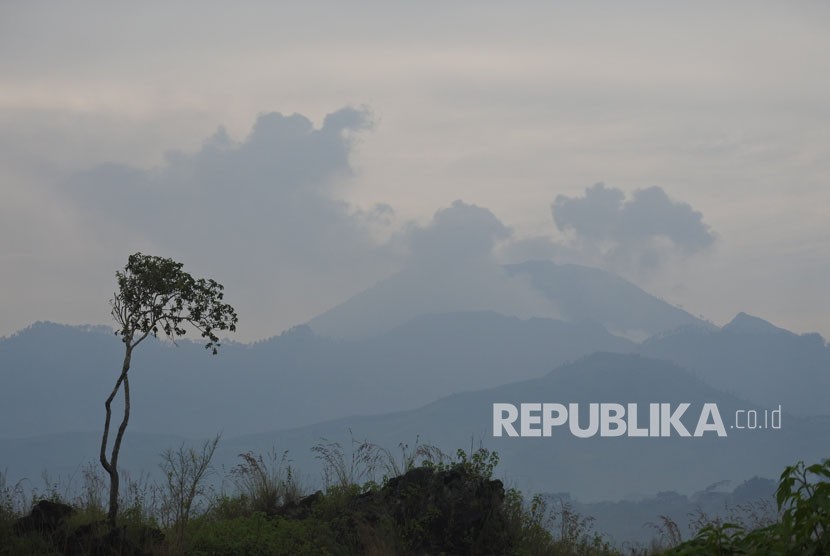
point(803, 498)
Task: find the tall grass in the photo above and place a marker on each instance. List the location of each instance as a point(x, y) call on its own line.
point(266, 482)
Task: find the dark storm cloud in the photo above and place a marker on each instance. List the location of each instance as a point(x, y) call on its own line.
point(640, 231)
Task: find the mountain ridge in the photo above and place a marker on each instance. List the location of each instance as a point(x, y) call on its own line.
point(554, 464)
point(568, 292)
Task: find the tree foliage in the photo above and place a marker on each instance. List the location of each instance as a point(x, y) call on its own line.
point(156, 296)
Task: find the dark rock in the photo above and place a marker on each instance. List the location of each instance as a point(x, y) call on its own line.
point(451, 511)
point(90, 539)
point(46, 517)
point(300, 509)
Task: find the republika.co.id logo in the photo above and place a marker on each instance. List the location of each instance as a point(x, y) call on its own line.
point(660, 420)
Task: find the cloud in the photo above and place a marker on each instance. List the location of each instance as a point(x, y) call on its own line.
point(259, 213)
point(452, 266)
point(284, 160)
point(637, 232)
point(458, 234)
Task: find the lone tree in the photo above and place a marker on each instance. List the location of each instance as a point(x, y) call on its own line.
point(156, 296)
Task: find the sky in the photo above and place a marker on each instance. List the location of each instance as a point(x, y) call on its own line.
point(301, 152)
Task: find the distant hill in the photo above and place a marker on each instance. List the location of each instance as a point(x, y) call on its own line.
point(589, 294)
point(593, 468)
point(635, 521)
point(56, 377)
point(541, 288)
point(590, 469)
point(62, 457)
point(754, 360)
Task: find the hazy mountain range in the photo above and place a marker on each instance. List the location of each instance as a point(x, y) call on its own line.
point(591, 468)
point(754, 360)
point(388, 367)
point(295, 379)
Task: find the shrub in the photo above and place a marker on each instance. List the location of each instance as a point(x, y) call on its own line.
point(803, 498)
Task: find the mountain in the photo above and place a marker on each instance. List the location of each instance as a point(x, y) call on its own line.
point(585, 293)
point(635, 521)
point(535, 288)
point(438, 355)
point(56, 377)
point(596, 468)
point(755, 360)
point(747, 324)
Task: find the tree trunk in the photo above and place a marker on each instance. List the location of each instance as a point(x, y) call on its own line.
point(111, 465)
